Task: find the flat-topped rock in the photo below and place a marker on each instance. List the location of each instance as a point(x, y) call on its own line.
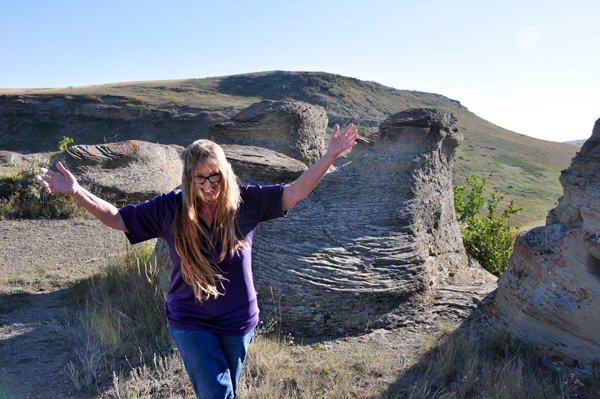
point(295, 129)
point(131, 171)
point(256, 165)
point(372, 244)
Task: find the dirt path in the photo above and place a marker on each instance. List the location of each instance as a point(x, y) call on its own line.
point(41, 259)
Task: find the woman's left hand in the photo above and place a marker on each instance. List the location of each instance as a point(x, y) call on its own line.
point(298, 190)
point(338, 143)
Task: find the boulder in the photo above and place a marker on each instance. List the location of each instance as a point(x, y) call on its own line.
point(12, 158)
point(255, 165)
point(17, 159)
point(295, 129)
point(550, 292)
point(371, 246)
point(132, 171)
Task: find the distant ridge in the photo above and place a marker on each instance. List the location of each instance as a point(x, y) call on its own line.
point(578, 143)
point(180, 111)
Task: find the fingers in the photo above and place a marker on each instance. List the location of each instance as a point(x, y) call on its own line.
point(45, 182)
point(349, 133)
point(336, 128)
point(61, 168)
point(45, 171)
point(348, 128)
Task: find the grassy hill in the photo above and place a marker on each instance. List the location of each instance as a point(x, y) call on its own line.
point(179, 111)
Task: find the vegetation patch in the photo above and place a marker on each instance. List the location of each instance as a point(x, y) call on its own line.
point(134, 102)
point(528, 165)
point(188, 116)
point(488, 238)
point(117, 322)
point(22, 196)
point(460, 364)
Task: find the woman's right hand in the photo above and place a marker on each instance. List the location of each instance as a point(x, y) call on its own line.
point(62, 182)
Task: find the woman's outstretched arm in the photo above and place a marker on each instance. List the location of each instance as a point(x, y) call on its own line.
point(298, 190)
point(63, 182)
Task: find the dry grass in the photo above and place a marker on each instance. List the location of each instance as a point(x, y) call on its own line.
point(117, 320)
point(454, 364)
point(280, 369)
point(464, 364)
point(121, 348)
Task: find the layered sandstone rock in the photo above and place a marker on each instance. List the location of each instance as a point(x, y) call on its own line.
point(550, 292)
point(376, 239)
point(255, 165)
point(132, 171)
point(292, 128)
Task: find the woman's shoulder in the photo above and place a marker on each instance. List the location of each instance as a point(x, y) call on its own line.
point(253, 195)
point(165, 201)
point(171, 196)
point(254, 189)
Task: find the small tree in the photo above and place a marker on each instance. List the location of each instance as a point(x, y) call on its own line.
point(489, 239)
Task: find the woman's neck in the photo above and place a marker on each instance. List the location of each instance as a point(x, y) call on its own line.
point(207, 213)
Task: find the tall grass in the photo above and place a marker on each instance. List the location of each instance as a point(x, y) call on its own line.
point(466, 364)
point(118, 320)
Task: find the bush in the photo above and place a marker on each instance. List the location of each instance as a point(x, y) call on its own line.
point(21, 196)
point(488, 239)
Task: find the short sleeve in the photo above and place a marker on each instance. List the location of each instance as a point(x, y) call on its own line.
point(264, 202)
point(149, 219)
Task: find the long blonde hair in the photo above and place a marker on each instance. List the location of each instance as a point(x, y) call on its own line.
point(191, 237)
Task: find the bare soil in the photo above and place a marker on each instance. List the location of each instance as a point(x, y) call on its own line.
point(41, 260)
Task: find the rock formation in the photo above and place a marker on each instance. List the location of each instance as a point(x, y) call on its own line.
point(550, 292)
point(8, 157)
point(376, 244)
point(372, 244)
point(131, 171)
point(15, 158)
point(255, 165)
point(291, 128)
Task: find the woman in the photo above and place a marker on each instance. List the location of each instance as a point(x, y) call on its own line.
point(208, 225)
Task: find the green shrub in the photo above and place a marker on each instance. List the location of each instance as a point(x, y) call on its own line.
point(489, 239)
point(22, 196)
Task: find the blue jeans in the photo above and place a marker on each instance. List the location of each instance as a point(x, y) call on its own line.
point(213, 362)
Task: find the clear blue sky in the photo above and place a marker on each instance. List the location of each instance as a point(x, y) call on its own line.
point(529, 66)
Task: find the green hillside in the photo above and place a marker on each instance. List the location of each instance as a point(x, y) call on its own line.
point(526, 168)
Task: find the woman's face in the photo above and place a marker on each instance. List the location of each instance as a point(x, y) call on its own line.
point(207, 182)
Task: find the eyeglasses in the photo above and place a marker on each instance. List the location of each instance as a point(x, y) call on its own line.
point(199, 179)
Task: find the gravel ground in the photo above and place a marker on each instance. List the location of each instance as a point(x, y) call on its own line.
point(42, 258)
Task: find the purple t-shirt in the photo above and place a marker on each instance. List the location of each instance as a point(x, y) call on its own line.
point(236, 312)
